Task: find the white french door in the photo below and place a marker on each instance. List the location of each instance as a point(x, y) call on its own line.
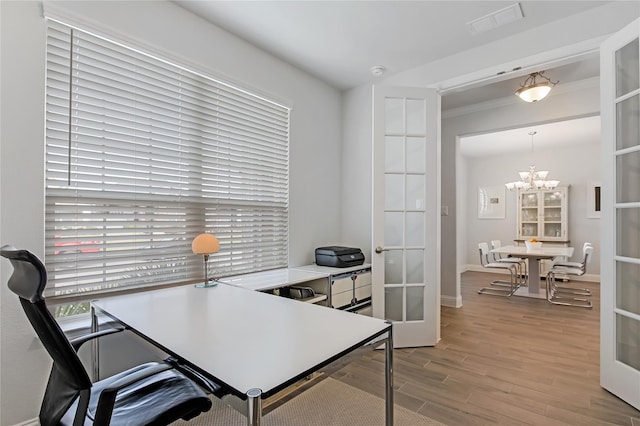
point(620, 221)
point(406, 207)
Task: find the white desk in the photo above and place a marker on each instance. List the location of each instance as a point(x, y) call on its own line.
point(284, 277)
point(275, 278)
point(533, 257)
point(250, 342)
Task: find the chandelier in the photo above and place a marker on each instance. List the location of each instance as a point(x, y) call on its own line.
point(532, 179)
point(531, 91)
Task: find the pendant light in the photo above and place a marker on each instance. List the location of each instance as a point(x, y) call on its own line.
point(532, 179)
point(533, 91)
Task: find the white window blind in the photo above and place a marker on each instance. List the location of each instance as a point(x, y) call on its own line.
point(143, 155)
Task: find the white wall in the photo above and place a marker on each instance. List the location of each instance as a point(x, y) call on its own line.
point(551, 42)
point(573, 166)
point(163, 27)
point(357, 169)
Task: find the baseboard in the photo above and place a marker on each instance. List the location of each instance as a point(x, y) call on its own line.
point(593, 278)
point(452, 302)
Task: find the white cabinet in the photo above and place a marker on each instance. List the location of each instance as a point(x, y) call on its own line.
point(351, 291)
point(542, 214)
point(350, 288)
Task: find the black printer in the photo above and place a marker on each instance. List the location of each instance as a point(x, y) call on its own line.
point(339, 257)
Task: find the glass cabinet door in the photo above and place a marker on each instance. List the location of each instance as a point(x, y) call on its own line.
point(553, 214)
point(542, 214)
point(528, 215)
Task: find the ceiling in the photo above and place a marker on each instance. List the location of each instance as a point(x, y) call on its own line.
point(340, 41)
point(570, 132)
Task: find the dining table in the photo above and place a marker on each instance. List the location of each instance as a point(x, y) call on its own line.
point(533, 257)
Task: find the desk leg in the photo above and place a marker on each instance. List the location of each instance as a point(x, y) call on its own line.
point(95, 347)
point(388, 378)
point(254, 407)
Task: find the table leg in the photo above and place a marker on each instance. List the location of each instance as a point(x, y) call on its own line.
point(95, 347)
point(388, 378)
point(254, 407)
point(534, 275)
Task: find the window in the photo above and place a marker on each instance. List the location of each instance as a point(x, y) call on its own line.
point(141, 156)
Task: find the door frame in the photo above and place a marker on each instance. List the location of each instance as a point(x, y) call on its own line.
point(553, 58)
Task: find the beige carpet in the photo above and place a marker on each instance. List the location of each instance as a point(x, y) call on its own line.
point(329, 403)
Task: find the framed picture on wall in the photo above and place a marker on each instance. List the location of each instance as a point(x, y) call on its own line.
point(491, 202)
point(593, 200)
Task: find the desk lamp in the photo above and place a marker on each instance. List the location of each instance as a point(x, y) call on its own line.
point(205, 244)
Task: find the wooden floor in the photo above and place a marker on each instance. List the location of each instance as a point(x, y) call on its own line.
point(515, 361)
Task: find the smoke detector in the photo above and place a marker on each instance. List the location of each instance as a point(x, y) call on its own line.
point(377, 70)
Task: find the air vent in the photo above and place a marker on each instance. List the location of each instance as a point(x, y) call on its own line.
point(495, 19)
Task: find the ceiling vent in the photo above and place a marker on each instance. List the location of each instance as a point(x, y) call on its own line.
point(495, 19)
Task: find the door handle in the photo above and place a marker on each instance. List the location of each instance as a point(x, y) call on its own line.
point(380, 249)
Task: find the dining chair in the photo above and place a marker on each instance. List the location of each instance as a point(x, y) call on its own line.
point(563, 263)
point(498, 288)
point(564, 295)
point(520, 262)
point(154, 393)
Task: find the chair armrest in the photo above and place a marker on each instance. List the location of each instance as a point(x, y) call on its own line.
point(108, 395)
point(78, 341)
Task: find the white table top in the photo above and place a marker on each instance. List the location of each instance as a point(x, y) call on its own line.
point(328, 270)
point(275, 278)
point(542, 252)
point(244, 339)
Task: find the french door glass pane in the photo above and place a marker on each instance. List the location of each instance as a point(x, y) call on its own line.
point(393, 267)
point(628, 122)
point(393, 303)
point(628, 341)
point(394, 116)
point(415, 303)
point(416, 155)
point(628, 177)
point(627, 60)
point(415, 266)
point(416, 117)
point(415, 192)
point(414, 229)
point(628, 232)
point(394, 192)
point(628, 287)
point(393, 154)
point(393, 229)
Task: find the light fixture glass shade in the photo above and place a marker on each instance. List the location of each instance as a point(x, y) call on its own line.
point(205, 244)
point(534, 92)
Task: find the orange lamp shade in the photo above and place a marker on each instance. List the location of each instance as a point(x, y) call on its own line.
point(205, 244)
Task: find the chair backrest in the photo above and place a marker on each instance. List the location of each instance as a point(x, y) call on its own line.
point(68, 377)
point(483, 248)
point(494, 245)
point(588, 252)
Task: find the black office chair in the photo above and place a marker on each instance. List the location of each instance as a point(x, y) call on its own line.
point(149, 394)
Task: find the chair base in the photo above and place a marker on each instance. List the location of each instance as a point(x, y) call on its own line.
point(496, 292)
point(570, 301)
point(573, 290)
point(555, 294)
